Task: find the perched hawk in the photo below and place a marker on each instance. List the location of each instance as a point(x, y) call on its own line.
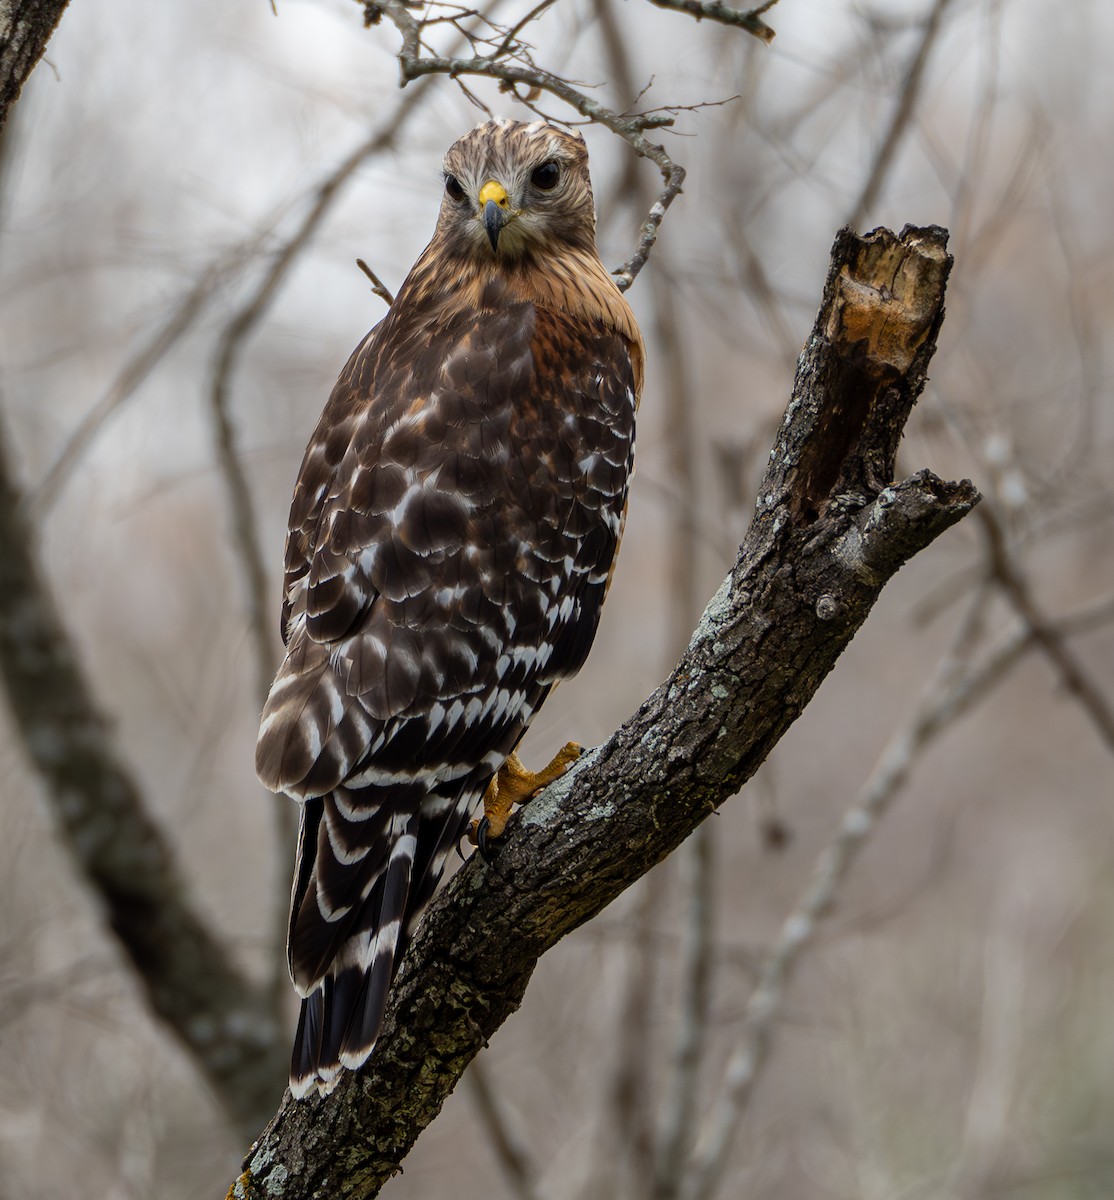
point(452, 536)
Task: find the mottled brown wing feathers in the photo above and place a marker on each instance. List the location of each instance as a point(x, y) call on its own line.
point(452, 536)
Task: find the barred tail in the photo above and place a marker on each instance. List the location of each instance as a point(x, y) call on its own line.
point(341, 1015)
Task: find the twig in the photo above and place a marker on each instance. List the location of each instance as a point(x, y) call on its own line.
point(513, 1160)
point(414, 65)
point(975, 157)
point(377, 284)
point(519, 26)
point(681, 418)
point(818, 899)
point(245, 534)
point(903, 111)
point(712, 10)
point(657, 1166)
point(1073, 675)
point(631, 128)
point(762, 294)
point(1087, 333)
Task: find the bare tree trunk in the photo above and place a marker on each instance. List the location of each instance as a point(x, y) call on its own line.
point(830, 529)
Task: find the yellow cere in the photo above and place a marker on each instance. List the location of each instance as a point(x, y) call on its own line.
point(494, 191)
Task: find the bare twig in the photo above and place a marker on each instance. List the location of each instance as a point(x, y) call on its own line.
point(624, 1144)
point(512, 34)
point(818, 899)
point(414, 65)
point(191, 982)
point(1075, 678)
point(657, 1167)
point(903, 111)
point(377, 285)
point(712, 10)
point(759, 288)
point(245, 535)
point(978, 134)
point(511, 75)
point(681, 416)
point(1087, 332)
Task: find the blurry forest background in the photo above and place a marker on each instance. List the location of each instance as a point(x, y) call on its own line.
point(950, 1031)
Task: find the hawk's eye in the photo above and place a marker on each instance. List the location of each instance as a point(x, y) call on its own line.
point(546, 176)
point(452, 186)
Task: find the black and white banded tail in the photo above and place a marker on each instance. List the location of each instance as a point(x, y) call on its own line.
point(344, 960)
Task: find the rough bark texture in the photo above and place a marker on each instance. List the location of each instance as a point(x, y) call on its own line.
point(830, 530)
point(25, 29)
point(224, 1021)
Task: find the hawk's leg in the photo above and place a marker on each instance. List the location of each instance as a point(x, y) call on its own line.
point(514, 784)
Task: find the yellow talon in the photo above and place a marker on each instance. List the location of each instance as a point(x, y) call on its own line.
point(514, 784)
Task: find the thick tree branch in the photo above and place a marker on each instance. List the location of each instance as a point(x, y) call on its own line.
point(831, 528)
point(225, 1022)
point(25, 29)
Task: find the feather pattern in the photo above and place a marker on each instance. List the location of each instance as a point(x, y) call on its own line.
point(452, 536)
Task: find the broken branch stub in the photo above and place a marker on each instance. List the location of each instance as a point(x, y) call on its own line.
point(882, 308)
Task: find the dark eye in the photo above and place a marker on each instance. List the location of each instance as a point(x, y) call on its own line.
point(546, 176)
point(452, 186)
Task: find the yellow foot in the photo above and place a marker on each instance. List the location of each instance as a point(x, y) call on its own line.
point(515, 784)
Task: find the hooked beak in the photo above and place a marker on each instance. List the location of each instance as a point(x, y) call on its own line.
point(495, 210)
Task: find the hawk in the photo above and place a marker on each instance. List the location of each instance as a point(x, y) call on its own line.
point(452, 536)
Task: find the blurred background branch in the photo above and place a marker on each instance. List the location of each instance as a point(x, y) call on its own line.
point(227, 1025)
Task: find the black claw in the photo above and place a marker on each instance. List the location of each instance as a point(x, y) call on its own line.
point(481, 839)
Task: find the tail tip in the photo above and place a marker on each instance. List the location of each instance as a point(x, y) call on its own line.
point(324, 1079)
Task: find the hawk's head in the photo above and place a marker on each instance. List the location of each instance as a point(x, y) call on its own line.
point(514, 190)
